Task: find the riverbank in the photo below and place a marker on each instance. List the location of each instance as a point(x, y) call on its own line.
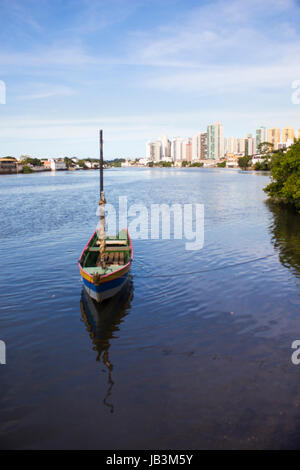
point(33, 170)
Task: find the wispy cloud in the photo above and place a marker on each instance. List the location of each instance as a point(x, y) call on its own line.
point(46, 91)
point(130, 127)
point(223, 79)
point(17, 13)
point(222, 31)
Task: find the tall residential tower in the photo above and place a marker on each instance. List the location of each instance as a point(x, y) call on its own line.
point(215, 141)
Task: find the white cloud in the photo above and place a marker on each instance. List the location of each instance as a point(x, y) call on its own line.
point(46, 91)
point(222, 79)
point(138, 127)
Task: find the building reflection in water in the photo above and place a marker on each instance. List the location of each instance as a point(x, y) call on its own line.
point(285, 231)
point(103, 322)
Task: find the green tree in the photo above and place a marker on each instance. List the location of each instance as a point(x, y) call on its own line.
point(285, 171)
point(265, 148)
point(196, 164)
point(244, 162)
point(68, 162)
point(221, 164)
point(27, 169)
point(262, 166)
point(32, 161)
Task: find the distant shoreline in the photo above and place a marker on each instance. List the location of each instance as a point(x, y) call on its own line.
point(48, 171)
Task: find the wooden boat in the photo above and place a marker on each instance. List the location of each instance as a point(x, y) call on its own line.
point(105, 261)
point(100, 282)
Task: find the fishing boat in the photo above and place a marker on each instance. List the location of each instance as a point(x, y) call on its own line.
point(105, 261)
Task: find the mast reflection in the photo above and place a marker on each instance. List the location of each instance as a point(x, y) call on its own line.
point(102, 322)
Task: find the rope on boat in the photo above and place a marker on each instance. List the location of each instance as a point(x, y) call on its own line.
point(102, 234)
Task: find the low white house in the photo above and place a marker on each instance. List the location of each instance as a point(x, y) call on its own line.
point(56, 165)
point(232, 163)
point(258, 159)
point(125, 164)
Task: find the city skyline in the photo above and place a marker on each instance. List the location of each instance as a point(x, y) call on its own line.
point(212, 145)
point(142, 68)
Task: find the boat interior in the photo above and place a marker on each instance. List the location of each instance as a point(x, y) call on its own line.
point(117, 254)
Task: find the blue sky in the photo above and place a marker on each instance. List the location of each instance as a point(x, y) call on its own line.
point(142, 68)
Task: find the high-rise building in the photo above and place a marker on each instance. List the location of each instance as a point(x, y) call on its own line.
point(287, 134)
point(203, 145)
point(250, 145)
point(215, 141)
point(148, 150)
point(274, 137)
point(199, 146)
point(154, 151)
point(176, 149)
point(187, 150)
point(196, 147)
point(261, 136)
point(165, 147)
point(241, 146)
point(231, 145)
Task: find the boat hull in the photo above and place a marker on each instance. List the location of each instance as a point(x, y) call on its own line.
point(106, 290)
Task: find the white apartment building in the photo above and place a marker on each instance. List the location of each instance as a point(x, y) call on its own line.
point(196, 147)
point(250, 146)
point(215, 141)
point(231, 145)
point(241, 146)
point(199, 146)
point(261, 136)
point(154, 151)
point(165, 147)
point(176, 149)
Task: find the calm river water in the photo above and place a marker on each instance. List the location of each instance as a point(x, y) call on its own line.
point(196, 353)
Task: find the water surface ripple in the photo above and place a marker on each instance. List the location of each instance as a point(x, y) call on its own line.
point(194, 353)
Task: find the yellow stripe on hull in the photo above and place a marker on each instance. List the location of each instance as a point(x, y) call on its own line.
point(109, 278)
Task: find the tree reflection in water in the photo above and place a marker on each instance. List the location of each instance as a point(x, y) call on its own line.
point(285, 230)
point(103, 322)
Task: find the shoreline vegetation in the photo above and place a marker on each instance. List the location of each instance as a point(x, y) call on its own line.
point(285, 174)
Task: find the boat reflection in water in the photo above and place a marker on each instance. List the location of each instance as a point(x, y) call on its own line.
point(285, 231)
point(103, 322)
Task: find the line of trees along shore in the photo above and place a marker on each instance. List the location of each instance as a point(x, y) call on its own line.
point(284, 166)
point(285, 172)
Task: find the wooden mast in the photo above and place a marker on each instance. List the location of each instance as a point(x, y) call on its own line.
point(102, 201)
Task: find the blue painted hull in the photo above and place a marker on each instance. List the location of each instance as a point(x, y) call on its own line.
point(105, 290)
